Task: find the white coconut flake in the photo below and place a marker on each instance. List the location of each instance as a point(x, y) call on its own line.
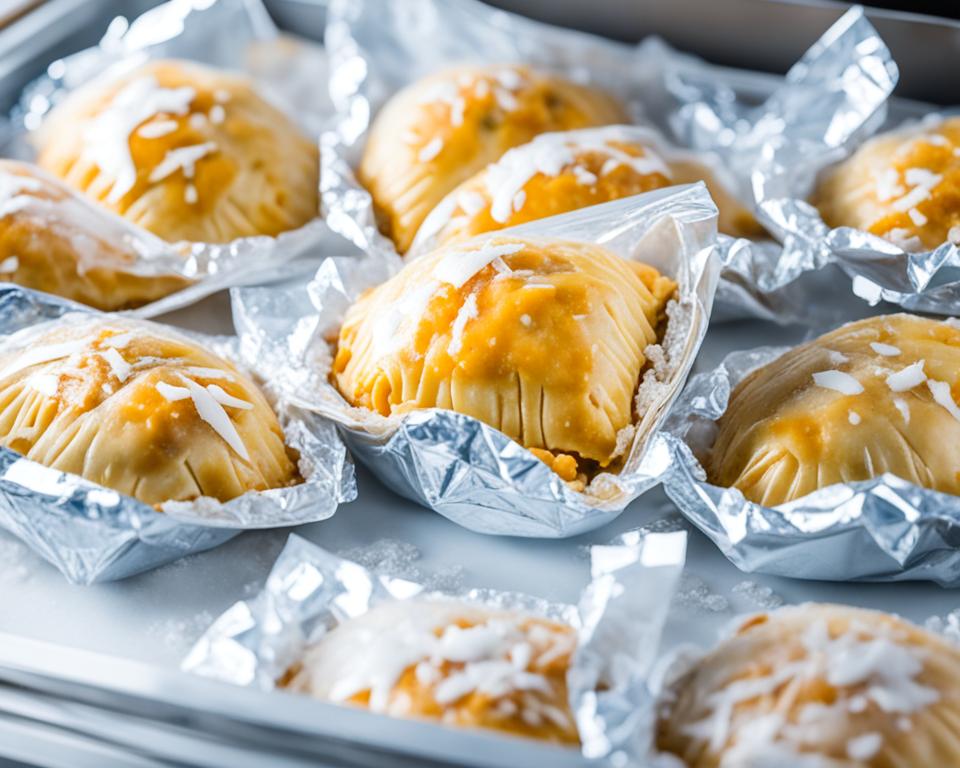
point(217, 114)
point(46, 384)
point(208, 373)
point(457, 267)
point(526, 320)
point(468, 311)
point(190, 195)
point(865, 746)
point(907, 378)
point(922, 177)
point(43, 354)
point(888, 185)
point(518, 200)
point(853, 417)
point(838, 381)
point(942, 395)
point(901, 405)
point(887, 350)
point(583, 176)
point(916, 217)
point(471, 203)
point(172, 393)
point(225, 398)
point(118, 341)
point(182, 159)
point(118, 366)
point(212, 412)
point(837, 358)
point(157, 128)
point(430, 150)
point(9, 265)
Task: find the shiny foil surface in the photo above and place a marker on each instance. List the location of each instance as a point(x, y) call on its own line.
point(232, 34)
point(462, 468)
point(883, 529)
point(91, 533)
point(618, 619)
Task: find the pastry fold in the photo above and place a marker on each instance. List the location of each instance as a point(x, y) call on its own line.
point(818, 685)
point(149, 415)
point(874, 396)
point(903, 185)
point(188, 152)
point(544, 340)
point(441, 130)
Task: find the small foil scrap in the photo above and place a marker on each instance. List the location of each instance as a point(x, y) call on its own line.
point(618, 620)
point(91, 533)
point(458, 466)
point(884, 529)
point(230, 34)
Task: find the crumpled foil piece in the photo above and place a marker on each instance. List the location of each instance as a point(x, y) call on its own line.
point(92, 533)
point(834, 98)
point(619, 619)
point(884, 529)
point(231, 34)
point(458, 466)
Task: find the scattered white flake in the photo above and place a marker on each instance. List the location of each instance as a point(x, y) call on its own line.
point(212, 412)
point(583, 176)
point(217, 114)
point(904, 239)
point(941, 393)
point(471, 203)
point(518, 200)
point(838, 358)
point(182, 159)
point(190, 195)
point(887, 350)
point(903, 407)
point(509, 78)
point(157, 128)
point(916, 217)
point(853, 417)
point(207, 373)
point(457, 267)
point(430, 150)
point(119, 340)
point(609, 166)
point(865, 746)
point(506, 100)
point(921, 177)
point(481, 89)
point(838, 381)
point(936, 139)
point(46, 384)
point(224, 398)
point(197, 121)
point(907, 378)
point(172, 393)
point(118, 366)
point(44, 354)
point(468, 311)
point(526, 320)
point(888, 186)
point(9, 264)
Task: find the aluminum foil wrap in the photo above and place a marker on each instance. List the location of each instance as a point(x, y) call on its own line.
point(462, 468)
point(230, 34)
point(884, 529)
point(92, 533)
point(618, 621)
point(835, 97)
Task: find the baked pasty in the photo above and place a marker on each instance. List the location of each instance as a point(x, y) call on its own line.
point(560, 172)
point(52, 240)
point(818, 685)
point(452, 662)
point(874, 396)
point(443, 129)
point(142, 412)
point(187, 152)
point(903, 185)
point(544, 340)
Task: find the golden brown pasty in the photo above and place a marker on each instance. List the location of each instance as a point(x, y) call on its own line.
point(187, 152)
point(561, 172)
point(874, 396)
point(443, 129)
point(903, 185)
point(452, 662)
point(51, 240)
point(543, 340)
point(818, 685)
point(142, 412)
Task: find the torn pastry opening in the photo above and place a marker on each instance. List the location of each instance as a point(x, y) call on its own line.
point(141, 411)
point(554, 343)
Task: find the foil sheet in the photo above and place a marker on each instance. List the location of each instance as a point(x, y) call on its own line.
point(92, 533)
point(230, 34)
point(883, 529)
point(831, 99)
point(458, 466)
point(618, 620)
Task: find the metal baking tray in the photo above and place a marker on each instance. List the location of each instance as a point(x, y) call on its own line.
point(89, 675)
